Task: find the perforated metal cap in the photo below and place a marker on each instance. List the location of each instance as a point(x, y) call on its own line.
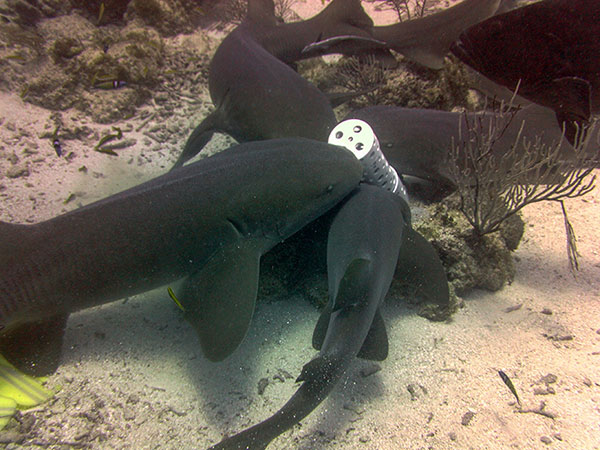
point(358, 137)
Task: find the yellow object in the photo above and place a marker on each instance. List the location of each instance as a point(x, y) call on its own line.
point(101, 13)
point(18, 390)
point(175, 299)
point(7, 408)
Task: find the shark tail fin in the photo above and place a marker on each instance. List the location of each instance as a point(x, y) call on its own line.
point(200, 137)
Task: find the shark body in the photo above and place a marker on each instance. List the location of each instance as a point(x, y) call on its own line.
point(417, 142)
point(206, 224)
point(548, 49)
point(257, 95)
point(425, 40)
point(362, 254)
point(286, 41)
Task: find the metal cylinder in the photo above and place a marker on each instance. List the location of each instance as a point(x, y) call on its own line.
point(358, 137)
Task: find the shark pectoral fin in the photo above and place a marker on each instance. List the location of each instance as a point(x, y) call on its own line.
point(219, 299)
point(35, 348)
point(375, 347)
point(419, 265)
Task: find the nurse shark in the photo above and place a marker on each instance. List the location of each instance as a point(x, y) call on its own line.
point(206, 224)
point(362, 254)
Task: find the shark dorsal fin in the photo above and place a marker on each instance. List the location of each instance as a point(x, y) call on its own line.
point(375, 347)
point(351, 281)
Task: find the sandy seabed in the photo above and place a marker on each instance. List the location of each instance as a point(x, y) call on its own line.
point(133, 377)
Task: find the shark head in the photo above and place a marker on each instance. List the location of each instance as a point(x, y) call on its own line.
point(298, 183)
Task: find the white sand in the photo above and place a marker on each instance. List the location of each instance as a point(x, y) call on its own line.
point(133, 377)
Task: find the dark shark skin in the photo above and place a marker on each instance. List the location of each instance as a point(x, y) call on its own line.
point(206, 224)
point(425, 40)
point(549, 48)
point(363, 247)
point(285, 41)
point(417, 142)
point(258, 97)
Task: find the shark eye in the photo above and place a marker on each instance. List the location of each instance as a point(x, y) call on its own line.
point(330, 188)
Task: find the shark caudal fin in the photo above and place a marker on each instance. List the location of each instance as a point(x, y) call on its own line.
point(200, 137)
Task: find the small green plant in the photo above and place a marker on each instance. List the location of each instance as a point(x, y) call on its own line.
point(494, 185)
